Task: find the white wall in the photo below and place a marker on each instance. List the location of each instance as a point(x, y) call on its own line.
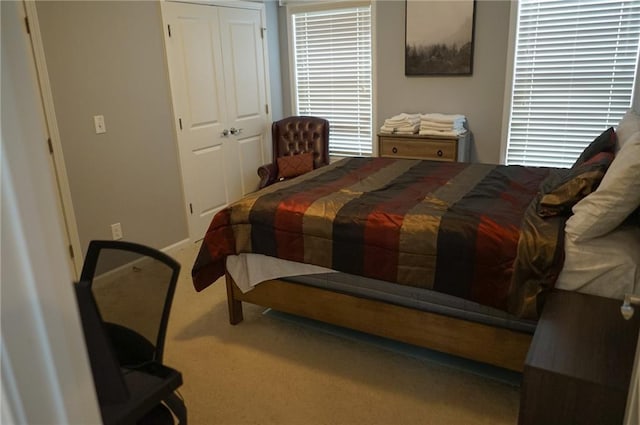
point(46, 376)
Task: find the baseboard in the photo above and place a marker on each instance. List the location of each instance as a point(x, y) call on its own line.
point(173, 248)
point(118, 272)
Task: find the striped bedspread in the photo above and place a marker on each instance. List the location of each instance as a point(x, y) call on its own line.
point(468, 230)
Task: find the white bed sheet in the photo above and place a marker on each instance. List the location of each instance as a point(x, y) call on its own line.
point(247, 270)
point(606, 266)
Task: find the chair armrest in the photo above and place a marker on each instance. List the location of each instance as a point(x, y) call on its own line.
point(268, 174)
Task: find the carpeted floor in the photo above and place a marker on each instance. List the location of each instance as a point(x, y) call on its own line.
point(275, 369)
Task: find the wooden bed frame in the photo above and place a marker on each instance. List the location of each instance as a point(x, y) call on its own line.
point(476, 341)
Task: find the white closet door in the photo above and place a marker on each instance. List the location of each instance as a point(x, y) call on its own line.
point(214, 95)
point(244, 75)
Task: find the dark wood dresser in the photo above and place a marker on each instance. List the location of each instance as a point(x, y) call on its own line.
point(579, 365)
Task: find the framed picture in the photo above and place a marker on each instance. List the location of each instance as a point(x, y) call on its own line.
point(439, 37)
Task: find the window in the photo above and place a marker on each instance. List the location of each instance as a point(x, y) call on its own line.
point(331, 51)
point(574, 71)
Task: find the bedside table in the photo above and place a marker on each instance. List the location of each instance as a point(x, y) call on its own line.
point(414, 146)
point(579, 365)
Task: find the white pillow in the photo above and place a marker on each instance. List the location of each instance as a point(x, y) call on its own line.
point(628, 126)
point(611, 203)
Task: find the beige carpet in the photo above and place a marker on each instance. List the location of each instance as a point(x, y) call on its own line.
point(272, 371)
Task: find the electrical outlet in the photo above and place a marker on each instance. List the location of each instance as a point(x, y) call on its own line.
point(116, 231)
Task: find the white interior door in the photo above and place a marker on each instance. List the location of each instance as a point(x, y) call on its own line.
point(219, 101)
point(244, 74)
point(197, 87)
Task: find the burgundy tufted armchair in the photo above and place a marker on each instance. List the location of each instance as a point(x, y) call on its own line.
point(295, 135)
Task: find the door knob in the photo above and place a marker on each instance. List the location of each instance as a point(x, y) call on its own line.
point(235, 130)
point(225, 132)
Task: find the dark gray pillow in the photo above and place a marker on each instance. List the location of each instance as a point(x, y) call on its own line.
point(605, 142)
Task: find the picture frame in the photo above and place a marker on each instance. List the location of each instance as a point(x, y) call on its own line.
point(439, 37)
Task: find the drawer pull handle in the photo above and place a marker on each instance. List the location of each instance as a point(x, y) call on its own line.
point(440, 152)
point(394, 150)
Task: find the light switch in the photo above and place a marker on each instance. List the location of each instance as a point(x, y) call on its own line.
point(98, 121)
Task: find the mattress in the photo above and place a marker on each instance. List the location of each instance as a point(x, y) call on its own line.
point(605, 266)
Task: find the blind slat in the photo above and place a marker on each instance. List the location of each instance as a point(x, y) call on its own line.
point(574, 71)
point(332, 66)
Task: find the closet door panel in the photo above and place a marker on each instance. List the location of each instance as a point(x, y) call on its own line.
point(217, 71)
point(242, 47)
point(199, 102)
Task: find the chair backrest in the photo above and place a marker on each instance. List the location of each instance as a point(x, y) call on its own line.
point(107, 375)
point(301, 134)
point(133, 286)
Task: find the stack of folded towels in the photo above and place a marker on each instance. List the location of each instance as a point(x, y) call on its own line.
point(442, 125)
point(401, 124)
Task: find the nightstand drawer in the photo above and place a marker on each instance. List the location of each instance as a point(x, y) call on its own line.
point(433, 149)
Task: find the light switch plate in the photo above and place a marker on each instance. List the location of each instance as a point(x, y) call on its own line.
point(98, 121)
point(116, 231)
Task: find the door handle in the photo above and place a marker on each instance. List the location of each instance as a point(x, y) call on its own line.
point(225, 132)
point(235, 130)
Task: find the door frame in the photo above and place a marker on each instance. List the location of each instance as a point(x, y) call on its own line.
point(267, 149)
point(70, 226)
point(46, 375)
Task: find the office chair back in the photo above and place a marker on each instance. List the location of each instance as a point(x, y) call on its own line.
point(133, 286)
point(110, 385)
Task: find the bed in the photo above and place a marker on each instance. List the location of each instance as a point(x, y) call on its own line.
point(455, 257)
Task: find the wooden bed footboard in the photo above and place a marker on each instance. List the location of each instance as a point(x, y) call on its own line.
point(476, 341)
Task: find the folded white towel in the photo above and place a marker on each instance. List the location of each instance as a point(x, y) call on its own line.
point(407, 126)
point(448, 133)
point(404, 129)
point(436, 125)
point(403, 118)
point(424, 126)
point(442, 118)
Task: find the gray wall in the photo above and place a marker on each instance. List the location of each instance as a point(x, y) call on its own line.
point(107, 58)
point(275, 83)
point(479, 96)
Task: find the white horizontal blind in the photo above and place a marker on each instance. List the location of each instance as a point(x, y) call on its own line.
point(332, 54)
point(575, 64)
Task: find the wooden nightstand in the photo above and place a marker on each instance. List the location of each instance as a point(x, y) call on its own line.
point(436, 148)
point(579, 365)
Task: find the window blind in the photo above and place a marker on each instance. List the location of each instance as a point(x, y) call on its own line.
point(574, 71)
point(332, 65)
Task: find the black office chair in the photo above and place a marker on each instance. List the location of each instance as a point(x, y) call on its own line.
point(133, 287)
